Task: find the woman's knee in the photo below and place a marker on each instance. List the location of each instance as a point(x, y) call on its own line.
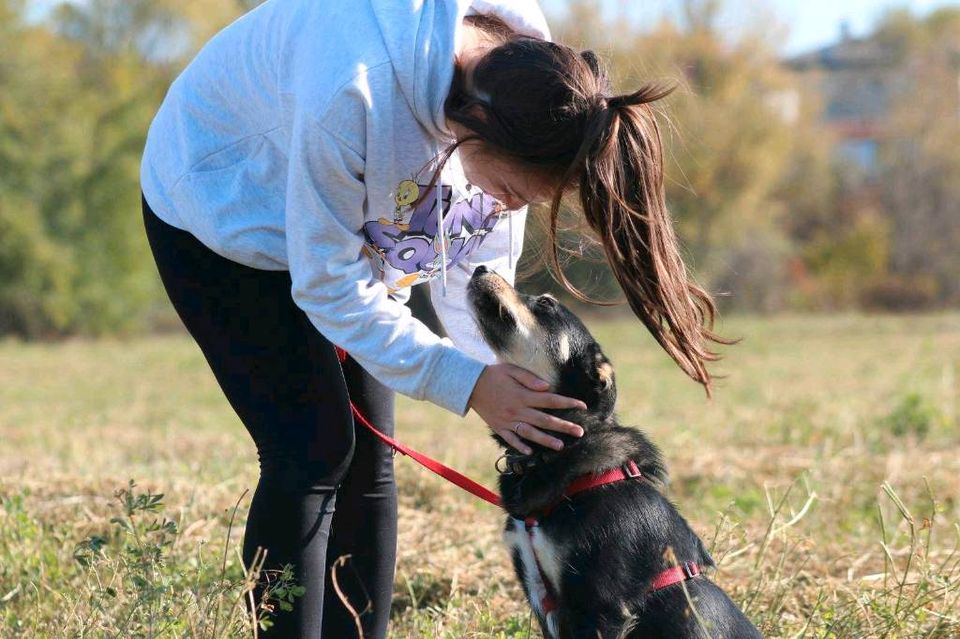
point(294, 470)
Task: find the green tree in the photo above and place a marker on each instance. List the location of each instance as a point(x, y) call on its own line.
point(35, 268)
point(78, 93)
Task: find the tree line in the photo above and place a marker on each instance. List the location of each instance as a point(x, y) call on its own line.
point(767, 214)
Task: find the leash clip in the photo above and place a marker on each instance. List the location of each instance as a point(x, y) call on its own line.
point(631, 470)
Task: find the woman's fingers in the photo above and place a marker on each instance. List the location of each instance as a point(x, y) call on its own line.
point(528, 379)
point(552, 400)
point(508, 398)
point(529, 429)
point(537, 436)
point(549, 422)
point(514, 441)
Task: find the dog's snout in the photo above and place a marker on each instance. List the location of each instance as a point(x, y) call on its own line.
point(480, 270)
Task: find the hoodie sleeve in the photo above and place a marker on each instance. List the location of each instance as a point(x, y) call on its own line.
point(499, 252)
point(333, 281)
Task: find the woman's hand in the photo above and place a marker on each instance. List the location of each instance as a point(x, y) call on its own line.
point(507, 398)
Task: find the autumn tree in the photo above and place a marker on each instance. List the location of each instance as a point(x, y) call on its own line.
point(731, 136)
point(921, 161)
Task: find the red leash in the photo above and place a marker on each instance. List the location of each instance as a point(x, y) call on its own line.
point(429, 463)
point(668, 577)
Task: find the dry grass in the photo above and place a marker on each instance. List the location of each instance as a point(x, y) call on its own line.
point(824, 476)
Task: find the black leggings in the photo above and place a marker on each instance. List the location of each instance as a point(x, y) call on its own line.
point(284, 381)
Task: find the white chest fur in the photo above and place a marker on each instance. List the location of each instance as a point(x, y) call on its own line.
point(541, 557)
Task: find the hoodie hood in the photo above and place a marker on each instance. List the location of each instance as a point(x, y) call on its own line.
point(422, 37)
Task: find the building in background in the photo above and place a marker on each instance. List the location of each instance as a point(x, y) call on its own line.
point(854, 81)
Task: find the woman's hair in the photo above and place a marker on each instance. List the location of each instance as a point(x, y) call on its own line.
point(550, 108)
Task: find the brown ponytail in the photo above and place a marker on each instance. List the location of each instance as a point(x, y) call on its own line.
point(550, 108)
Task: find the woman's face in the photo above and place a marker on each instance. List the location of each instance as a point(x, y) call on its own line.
point(513, 185)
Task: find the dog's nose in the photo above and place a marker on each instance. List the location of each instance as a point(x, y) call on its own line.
point(480, 270)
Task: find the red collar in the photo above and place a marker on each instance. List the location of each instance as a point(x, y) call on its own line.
point(674, 575)
point(630, 470)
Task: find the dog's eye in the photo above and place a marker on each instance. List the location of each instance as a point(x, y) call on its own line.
point(546, 302)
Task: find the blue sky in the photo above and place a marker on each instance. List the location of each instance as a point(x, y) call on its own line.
point(796, 25)
point(815, 22)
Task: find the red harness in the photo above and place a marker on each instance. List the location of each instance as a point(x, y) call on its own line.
point(630, 470)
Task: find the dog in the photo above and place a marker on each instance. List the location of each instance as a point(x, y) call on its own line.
point(598, 548)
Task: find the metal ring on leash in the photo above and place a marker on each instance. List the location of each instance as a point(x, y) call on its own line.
point(502, 465)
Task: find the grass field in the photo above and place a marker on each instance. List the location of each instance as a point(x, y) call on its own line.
point(824, 476)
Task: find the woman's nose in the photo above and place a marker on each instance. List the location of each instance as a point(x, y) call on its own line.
point(512, 203)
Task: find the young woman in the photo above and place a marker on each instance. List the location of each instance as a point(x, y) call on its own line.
point(295, 180)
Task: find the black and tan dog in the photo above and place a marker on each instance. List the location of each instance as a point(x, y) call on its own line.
point(599, 549)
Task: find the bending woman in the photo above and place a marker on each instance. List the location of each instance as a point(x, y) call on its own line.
point(315, 161)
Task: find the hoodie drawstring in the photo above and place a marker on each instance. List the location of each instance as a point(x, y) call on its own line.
point(510, 240)
point(443, 242)
point(441, 237)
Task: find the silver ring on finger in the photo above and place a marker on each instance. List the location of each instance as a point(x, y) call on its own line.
point(516, 428)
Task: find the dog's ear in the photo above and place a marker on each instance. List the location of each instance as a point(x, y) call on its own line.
point(601, 370)
point(604, 372)
point(604, 382)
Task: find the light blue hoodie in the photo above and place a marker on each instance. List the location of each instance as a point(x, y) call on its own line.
point(299, 138)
